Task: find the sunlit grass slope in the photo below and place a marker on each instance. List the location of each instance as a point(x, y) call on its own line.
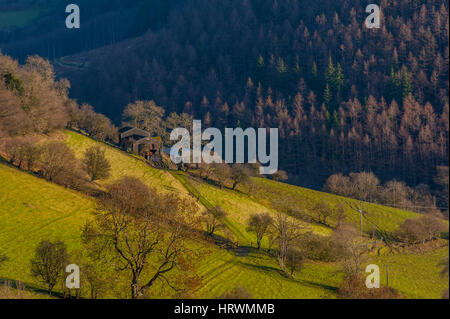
point(415, 275)
point(32, 210)
point(238, 206)
point(386, 218)
point(260, 275)
point(125, 164)
point(268, 194)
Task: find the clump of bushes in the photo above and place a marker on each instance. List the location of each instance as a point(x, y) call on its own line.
point(421, 230)
point(237, 292)
point(96, 164)
point(56, 162)
point(354, 287)
point(31, 100)
point(319, 248)
point(366, 186)
point(34, 102)
point(96, 125)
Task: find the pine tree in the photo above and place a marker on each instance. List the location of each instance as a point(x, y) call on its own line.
point(330, 74)
point(406, 83)
point(339, 78)
point(327, 95)
point(260, 70)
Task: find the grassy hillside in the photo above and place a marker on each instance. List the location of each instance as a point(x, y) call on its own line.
point(267, 194)
point(386, 218)
point(32, 209)
point(239, 207)
point(261, 276)
point(414, 275)
point(125, 164)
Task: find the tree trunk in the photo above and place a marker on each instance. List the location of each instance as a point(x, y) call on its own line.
point(135, 291)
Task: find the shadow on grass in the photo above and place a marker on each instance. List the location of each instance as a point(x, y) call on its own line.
point(317, 285)
point(264, 269)
point(22, 285)
point(3, 160)
point(287, 277)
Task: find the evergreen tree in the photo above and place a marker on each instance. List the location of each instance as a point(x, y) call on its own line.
point(327, 95)
point(406, 83)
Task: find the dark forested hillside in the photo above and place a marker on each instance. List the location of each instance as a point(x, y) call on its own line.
point(38, 26)
point(345, 98)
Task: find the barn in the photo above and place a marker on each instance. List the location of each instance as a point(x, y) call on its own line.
point(140, 142)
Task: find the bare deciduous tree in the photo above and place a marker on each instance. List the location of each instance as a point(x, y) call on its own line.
point(49, 262)
point(175, 120)
point(259, 224)
point(213, 219)
point(365, 185)
point(98, 282)
point(95, 124)
point(323, 211)
point(351, 247)
point(57, 159)
point(420, 230)
point(294, 260)
point(337, 184)
point(145, 115)
point(354, 287)
point(288, 231)
point(239, 175)
point(23, 150)
point(280, 175)
point(206, 170)
point(221, 173)
point(146, 234)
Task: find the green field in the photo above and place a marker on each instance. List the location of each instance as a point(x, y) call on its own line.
point(32, 209)
point(261, 276)
point(239, 206)
point(125, 164)
point(415, 275)
point(386, 218)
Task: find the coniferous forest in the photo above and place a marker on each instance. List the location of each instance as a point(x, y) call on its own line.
point(344, 97)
